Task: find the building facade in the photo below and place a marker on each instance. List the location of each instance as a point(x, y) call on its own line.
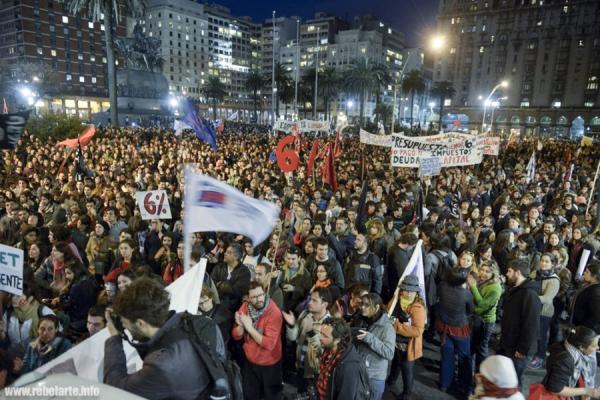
point(548, 52)
point(70, 48)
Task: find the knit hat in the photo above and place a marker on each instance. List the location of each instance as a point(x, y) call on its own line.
point(499, 370)
point(410, 283)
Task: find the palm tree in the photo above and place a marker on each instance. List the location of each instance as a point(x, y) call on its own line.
point(286, 94)
point(282, 80)
point(443, 90)
point(255, 82)
point(307, 89)
point(329, 86)
point(214, 90)
point(413, 83)
point(383, 78)
point(384, 111)
point(109, 10)
point(358, 79)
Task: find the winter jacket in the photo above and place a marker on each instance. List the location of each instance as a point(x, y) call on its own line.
point(550, 287)
point(341, 244)
point(301, 282)
point(377, 348)
point(559, 368)
point(333, 267)
point(455, 305)
point(172, 369)
point(82, 296)
point(364, 268)
point(343, 381)
point(586, 309)
point(397, 260)
point(32, 358)
point(308, 344)
point(520, 322)
point(414, 331)
point(486, 299)
point(233, 288)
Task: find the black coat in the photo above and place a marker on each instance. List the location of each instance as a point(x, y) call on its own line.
point(455, 304)
point(345, 378)
point(520, 322)
point(559, 368)
point(586, 308)
point(232, 290)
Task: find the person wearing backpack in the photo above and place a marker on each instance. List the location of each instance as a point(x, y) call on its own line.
point(363, 266)
point(172, 367)
point(342, 371)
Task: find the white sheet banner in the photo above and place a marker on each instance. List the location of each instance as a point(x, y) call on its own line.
point(304, 125)
point(11, 269)
point(407, 151)
point(375, 140)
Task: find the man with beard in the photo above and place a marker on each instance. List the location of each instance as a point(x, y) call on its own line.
point(497, 379)
point(172, 368)
point(258, 322)
point(520, 322)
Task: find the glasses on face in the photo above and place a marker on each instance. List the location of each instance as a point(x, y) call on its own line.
point(258, 296)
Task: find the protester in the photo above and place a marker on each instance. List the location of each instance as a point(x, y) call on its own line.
point(232, 277)
point(585, 311)
point(48, 345)
point(96, 319)
point(172, 368)
point(258, 322)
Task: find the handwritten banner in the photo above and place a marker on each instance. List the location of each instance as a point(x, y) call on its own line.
point(153, 205)
point(304, 125)
point(375, 140)
point(407, 151)
point(429, 166)
point(11, 270)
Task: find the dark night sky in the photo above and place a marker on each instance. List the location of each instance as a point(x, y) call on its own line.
point(416, 18)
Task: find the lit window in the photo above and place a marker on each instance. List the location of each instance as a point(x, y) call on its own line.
point(452, 50)
point(539, 23)
point(389, 31)
point(81, 79)
point(53, 53)
point(69, 77)
point(452, 21)
point(65, 19)
point(104, 60)
point(566, 9)
point(311, 28)
point(160, 24)
point(93, 79)
point(525, 103)
point(102, 27)
point(556, 104)
point(580, 43)
point(447, 102)
point(482, 49)
point(40, 51)
point(80, 57)
point(91, 25)
point(588, 104)
point(93, 58)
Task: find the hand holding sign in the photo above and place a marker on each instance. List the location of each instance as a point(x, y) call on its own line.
point(153, 205)
point(11, 270)
point(287, 159)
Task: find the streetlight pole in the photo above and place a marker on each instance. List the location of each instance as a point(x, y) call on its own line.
point(396, 86)
point(487, 100)
point(297, 67)
point(316, 75)
point(273, 73)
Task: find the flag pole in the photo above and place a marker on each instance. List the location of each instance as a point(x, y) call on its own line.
point(274, 258)
point(587, 209)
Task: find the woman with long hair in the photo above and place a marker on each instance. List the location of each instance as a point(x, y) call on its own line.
point(409, 319)
point(127, 258)
point(377, 244)
point(486, 291)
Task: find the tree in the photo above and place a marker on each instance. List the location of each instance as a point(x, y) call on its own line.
point(382, 78)
point(286, 94)
point(358, 79)
point(282, 81)
point(413, 83)
point(329, 86)
point(214, 90)
point(306, 92)
point(384, 111)
point(255, 82)
point(109, 11)
point(443, 90)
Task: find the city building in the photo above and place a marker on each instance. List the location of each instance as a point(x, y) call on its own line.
point(69, 47)
point(546, 51)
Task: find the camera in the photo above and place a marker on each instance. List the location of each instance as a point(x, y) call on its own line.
point(116, 320)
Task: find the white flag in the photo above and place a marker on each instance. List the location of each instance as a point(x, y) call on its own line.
point(212, 205)
point(87, 358)
point(233, 116)
point(415, 267)
point(531, 168)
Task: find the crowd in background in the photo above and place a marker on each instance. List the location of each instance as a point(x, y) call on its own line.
point(321, 303)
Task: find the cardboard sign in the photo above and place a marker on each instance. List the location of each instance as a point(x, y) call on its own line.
point(153, 205)
point(429, 166)
point(11, 270)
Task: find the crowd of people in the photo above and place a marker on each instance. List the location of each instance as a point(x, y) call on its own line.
point(324, 304)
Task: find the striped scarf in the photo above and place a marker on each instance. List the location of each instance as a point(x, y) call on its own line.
point(328, 362)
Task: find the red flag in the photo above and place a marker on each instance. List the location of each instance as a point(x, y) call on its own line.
point(329, 168)
point(5, 107)
point(85, 137)
point(337, 147)
point(312, 157)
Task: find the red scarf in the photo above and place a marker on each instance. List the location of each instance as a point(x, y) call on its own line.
point(491, 390)
point(324, 284)
point(328, 361)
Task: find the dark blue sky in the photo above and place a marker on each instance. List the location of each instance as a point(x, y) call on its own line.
point(416, 18)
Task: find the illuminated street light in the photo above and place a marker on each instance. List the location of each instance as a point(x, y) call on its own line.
point(437, 42)
point(173, 101)
point(26, 92)
point(503, 84)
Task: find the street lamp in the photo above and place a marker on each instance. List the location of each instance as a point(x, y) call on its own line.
point(437, 42)
point(503, 84)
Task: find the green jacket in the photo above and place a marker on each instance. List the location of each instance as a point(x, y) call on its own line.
point(486, 298)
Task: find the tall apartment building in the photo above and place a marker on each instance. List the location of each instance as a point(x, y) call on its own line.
point(547, 50)
point(71, 46)
point(182, 29)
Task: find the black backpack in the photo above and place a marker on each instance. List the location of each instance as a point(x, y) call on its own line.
point(445, 264)
point(225, 373)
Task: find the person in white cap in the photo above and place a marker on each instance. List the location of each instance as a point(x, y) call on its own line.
point(497, 379)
